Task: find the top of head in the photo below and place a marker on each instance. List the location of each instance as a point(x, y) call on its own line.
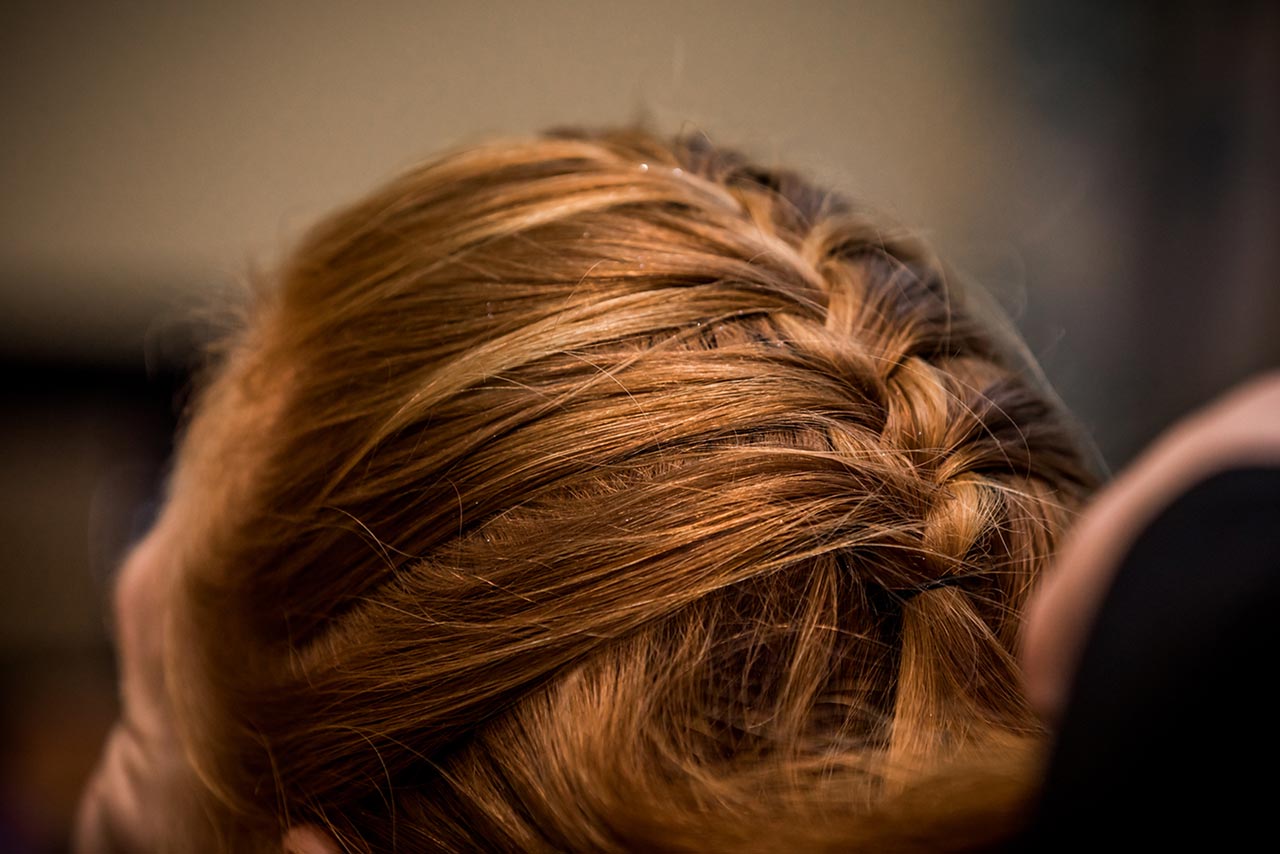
point(609, 492)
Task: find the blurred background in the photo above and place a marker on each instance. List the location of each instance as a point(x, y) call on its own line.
point(1108, 171)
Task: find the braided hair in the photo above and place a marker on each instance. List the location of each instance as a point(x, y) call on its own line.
point(609, 493)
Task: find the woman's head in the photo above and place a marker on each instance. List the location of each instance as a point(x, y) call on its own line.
point(597, 492)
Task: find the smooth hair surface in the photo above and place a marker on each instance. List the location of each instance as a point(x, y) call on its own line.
point(598, 492)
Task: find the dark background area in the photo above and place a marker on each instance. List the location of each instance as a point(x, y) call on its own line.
point(1108, 171)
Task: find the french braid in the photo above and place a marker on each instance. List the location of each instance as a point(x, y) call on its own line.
point(620, 495)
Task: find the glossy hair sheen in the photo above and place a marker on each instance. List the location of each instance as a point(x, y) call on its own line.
point(598, 492)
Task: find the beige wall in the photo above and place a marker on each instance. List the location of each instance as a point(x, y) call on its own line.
point(153, 150)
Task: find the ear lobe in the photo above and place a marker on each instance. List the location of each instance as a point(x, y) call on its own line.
point(308, 839)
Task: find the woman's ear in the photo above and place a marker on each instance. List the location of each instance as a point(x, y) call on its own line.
point(308, 839)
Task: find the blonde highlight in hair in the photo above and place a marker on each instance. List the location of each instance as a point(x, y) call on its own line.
point(614, 494)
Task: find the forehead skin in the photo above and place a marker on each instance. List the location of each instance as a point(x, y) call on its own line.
point(136, 798)
point(142, 795)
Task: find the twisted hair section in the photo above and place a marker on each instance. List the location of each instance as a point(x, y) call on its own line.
point(617, 494)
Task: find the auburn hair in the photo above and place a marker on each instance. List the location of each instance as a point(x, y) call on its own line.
point(598, 492)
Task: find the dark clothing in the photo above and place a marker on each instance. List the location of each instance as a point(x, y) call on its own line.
point(1168, 740)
